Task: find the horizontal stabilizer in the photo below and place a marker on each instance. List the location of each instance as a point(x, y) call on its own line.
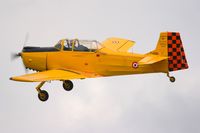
point(151, 59)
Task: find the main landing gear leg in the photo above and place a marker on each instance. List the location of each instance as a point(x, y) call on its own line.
point(171, 78)
point(42, 94)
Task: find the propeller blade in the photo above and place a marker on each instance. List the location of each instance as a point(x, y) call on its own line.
point(26, 39)
point(15, 56)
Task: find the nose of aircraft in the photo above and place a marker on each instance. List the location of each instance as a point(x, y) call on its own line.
point(17, 55)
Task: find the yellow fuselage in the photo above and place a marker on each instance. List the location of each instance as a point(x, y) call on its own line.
point(97, 63)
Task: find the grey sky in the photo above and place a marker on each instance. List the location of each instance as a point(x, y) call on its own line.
point(137, 103)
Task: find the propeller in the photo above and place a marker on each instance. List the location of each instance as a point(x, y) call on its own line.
point(17, 55)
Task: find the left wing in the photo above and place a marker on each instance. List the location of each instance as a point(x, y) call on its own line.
point(151, 59)
point(48, 76)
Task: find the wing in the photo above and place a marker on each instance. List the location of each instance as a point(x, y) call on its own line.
point(48, 76)
point(117, 45)
point(150, 59)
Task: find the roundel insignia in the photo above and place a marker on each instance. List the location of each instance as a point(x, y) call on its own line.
point(135, 65)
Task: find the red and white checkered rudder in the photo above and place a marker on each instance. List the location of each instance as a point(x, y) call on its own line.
point(177, 58)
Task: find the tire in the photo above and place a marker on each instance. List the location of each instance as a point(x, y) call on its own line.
point(68, 85)
point(172, 79)
point(43, 95)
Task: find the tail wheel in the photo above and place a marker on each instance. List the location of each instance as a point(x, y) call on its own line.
point(68, 85)
point(172, 79)
point(43, 95)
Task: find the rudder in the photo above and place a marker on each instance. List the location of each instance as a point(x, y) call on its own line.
point(177, 58)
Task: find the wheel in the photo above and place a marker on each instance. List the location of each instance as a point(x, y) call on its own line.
point(68, 85)
point(172, 79)
point(43, 95)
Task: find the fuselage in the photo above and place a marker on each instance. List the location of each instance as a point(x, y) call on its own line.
point(97, 63)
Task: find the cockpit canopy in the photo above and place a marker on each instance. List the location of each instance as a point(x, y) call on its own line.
point(78, 45)
point(68, 45)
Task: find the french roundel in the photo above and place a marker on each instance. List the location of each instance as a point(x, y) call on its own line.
point(135, 65)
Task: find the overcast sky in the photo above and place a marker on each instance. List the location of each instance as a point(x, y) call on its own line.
point(139, 103)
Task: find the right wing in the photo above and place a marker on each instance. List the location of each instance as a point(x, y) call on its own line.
point(48, 76)
point(116, 45)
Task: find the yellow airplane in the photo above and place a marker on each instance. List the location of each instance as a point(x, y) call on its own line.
point(80, 59)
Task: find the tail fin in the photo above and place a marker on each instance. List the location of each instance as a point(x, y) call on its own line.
point(170, 45)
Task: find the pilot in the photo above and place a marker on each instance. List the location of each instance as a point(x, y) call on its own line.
point(82, 48)
point(75, 45)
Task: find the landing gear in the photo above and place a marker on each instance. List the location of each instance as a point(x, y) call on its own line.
point(68, 85)
point(42, 94)
point(171, 78)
